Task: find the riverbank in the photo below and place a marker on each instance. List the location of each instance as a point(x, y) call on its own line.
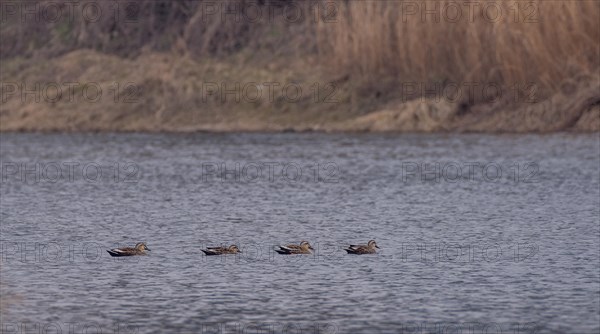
point(87, 90)
point(302, 66)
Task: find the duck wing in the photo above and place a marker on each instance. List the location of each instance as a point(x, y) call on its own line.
point(290, 248)
point(209, 252)
point(286, 250)
point(213, 250)
point(350, 250)
point(121, 251)
point(356, 249)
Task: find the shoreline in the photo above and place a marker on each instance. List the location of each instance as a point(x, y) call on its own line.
point(300, 131)
point(375, 123)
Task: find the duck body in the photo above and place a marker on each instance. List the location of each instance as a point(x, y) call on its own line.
point(303, 248)
point(233, 249)
point(139, 249)
point(369, 248)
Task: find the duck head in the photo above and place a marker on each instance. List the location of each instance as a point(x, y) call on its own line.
point(142, 246)
point(306, 245)
point(372, 244)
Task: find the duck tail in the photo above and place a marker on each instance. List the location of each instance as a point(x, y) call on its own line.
point(113, 253)
point(208, 252)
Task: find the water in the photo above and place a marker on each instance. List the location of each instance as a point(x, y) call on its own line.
point(484, 252)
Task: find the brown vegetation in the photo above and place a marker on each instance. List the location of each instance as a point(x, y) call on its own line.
point(515, 66)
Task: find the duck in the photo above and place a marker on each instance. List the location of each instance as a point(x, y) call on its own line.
point(369, 248)
point(139, 249)
point(233, 249)
point(303, 248)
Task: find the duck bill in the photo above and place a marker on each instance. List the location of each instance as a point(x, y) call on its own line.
point(377, 247)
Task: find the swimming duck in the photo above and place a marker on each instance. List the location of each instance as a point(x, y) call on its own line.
point(139, 249)
point(233, 249)
point(303, 248)
point(369, 248)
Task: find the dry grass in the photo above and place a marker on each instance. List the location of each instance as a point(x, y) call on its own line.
point(552, 41)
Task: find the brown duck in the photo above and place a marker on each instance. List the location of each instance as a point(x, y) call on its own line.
point(303, 248)
point(233, 249)
point(139, 249)
point(369, 248)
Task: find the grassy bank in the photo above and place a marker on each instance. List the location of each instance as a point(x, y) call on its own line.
point(496, 66)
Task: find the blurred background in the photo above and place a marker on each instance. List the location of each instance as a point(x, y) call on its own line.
point(186, 65)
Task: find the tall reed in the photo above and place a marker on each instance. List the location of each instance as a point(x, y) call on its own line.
point(501, 42)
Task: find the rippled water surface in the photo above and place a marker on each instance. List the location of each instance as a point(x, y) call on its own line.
point(511, 245)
